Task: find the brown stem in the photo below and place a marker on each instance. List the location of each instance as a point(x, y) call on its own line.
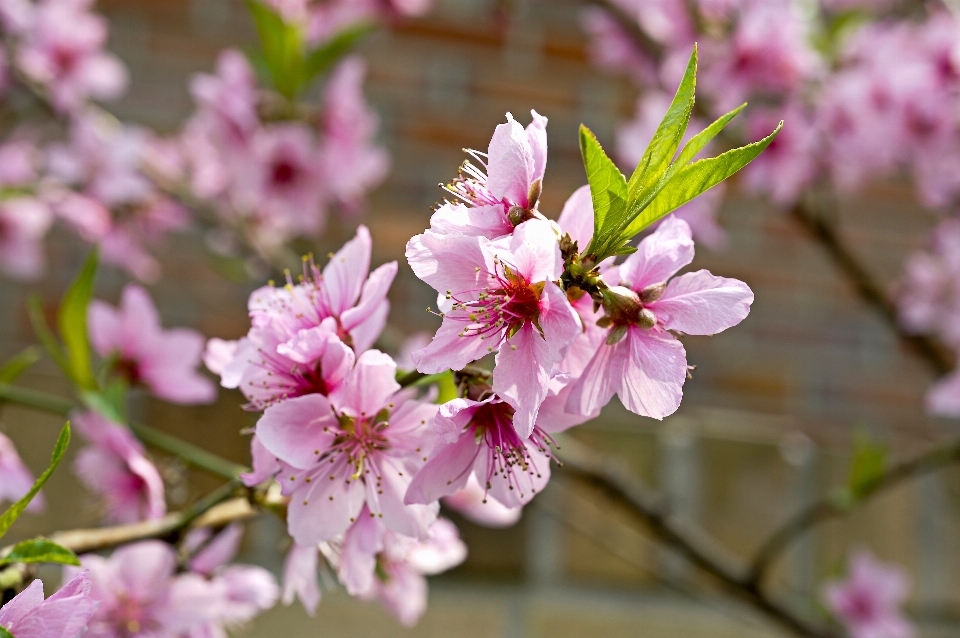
point(619, 483)
point(832, 508)
point(869, 290)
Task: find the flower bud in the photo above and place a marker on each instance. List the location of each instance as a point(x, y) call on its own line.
point(518, 214)
point(652, 293)
point(621, 304)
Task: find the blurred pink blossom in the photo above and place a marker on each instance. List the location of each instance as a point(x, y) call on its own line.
point(15, 479)
point(929, 292)
point(24, 222)
point(114, 467)
point(163, 360)
point(65, 614)
point(868, 602)
point(61, 48)
point(789, 163)
point(476, 505)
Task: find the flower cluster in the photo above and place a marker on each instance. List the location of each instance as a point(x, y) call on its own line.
point(365, 461)
point(864, 95)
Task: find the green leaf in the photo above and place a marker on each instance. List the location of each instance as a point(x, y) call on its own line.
point(14, 511)
point(72, 322)
point(326, 55)
point(447, 387)
point(111, 403)
point(667, 138)
point(5, 634)
point(701, 139)
point(283, 47)
point(692, 180)
point(49, 341)
point(867, 465)
point(16, 365)
point(608, 188)
point(40, 550)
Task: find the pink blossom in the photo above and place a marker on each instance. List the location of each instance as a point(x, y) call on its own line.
point(868, 602)
point(508, 182)
point(24, 223)
point(351, 163)
point(300, 577)
point(929, 292)
point(788, 164)
point(476, 505)
point(228, 99)
point(612, 48)
point(140, 595)
point(943, 398)
point(373, 562)
point(15, 479)
point(114, 467)
point(361, 445)
point(19, 159)
point(280, 184)
point(641, 361)
point(499, 296)
point(65, 614)
point(479, 439)
point(62, 49)
point(163, 360)
point(768, 53)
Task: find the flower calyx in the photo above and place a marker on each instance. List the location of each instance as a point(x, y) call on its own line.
point(519, 214)
point(625, 307)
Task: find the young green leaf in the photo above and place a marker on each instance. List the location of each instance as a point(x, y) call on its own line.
point(49, 341)
point(5, 634)
point(283, 48)
point(14, 511)
point(72, 322)
point(867, 465)
point(608, 187)
point(667, 138)
point(40, 550)
point(691, 180)
point(16, 365)
point(326, 55)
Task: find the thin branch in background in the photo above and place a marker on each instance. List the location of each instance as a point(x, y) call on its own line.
point(619, 483)
point(832, 508)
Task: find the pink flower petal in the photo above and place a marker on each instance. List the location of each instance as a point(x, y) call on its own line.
point(699, 303)
point(659, 256)
point(293, 430)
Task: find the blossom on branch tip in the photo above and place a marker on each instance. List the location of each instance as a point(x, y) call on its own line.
point(65, 614)
point(479, 440)
point(499, 296)
point(114, 467)
point(868, 602)
point(163, 360)
point(358, 447)
point(641, 361)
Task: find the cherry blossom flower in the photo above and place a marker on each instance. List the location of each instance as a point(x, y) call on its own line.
point(475, 504)
point(114, 466)
point(65, 614)
point(374, 562)
point(24, 222)
point(280, 184)
point(352, 165)
point(361, 445)
point(300, 577)
point(929, 292)
point(62, 49)
point(868, 602)
point(499, 296)
point(508, 182)
point(140, 595)
point(479, 440)
point(788, 164)
point(227, 101)
point(162, 360)
point(641, 361)
point(15, 479)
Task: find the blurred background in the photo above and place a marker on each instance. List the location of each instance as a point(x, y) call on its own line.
point(767, 420)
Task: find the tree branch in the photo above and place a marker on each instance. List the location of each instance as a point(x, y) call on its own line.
point(192, 454)
point(832, 508)
point(619, 483)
